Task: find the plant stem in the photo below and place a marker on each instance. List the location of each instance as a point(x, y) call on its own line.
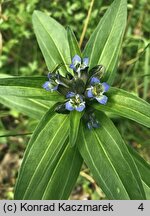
point(146, 70)
point(86, 23)
point(13, 135)
point(130, 16)
point(0, 32)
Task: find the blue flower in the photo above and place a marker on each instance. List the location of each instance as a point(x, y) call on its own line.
point(97, 89)
point(54, 82)
point(78, 64)
point(79, 89)
point(50, 86)
point(75, 102)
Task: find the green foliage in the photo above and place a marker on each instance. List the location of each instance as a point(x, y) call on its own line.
point(143, 168)
point(54, 155)
point(104, 44)
point(50, 35)
point(26, 87)
point(20, 50)
point(31, 107)
point(74, 127)
point(127, 105)
point(17, 34)
point(73, 44)
point(101, 150)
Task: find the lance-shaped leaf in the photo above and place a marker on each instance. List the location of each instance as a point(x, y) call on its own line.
point(74, 126)
point(105, 42)
point(43, 153)
point(127, 105)
point(33, 108)
point(52, 39)
point(109, 160)
point(50, 167)
point(47, 149)
point(65, 175)
point(144, 169)
point(29, 87)
point(147, 190)
point(30, 107)
point(73, 44)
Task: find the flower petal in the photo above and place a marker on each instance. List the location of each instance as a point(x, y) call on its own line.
point(105, 86)
point(89, 93)
point(70, 94)
point(94, 80)
point(72, 66)
point(47, 86)
point(86, 61)
point(81, 107)
point(76, 59)
point(102, 99)
point(54, 88)
point(69, 106)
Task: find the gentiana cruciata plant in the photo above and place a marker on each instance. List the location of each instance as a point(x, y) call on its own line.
point(80, 90)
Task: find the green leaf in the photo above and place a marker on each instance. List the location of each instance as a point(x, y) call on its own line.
point(109, 160)
point(105, 42)
point(52, 39)
point(29, 87)
point(47, 152)
point(74, 126)
point(127, 105)
point(28, 81)
point(30, 107)
point(143, 166)
point(147, 191)
point(65, 175)
point(73, 44)
point(45, 148)
point(144, 169)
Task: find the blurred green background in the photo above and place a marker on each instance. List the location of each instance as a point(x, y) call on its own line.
point(20, 55)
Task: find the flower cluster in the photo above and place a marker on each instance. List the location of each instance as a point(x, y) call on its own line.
point(79, 90)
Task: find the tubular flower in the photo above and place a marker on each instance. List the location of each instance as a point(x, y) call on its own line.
point(75, 102)
point(53, 83)
point(50, 86)
point(78, 64)
point(97, 90)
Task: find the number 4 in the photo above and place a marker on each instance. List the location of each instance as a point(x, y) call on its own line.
point(141, 207)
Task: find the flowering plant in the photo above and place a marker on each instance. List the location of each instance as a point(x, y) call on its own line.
point(79, 89)
point(74, 102)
